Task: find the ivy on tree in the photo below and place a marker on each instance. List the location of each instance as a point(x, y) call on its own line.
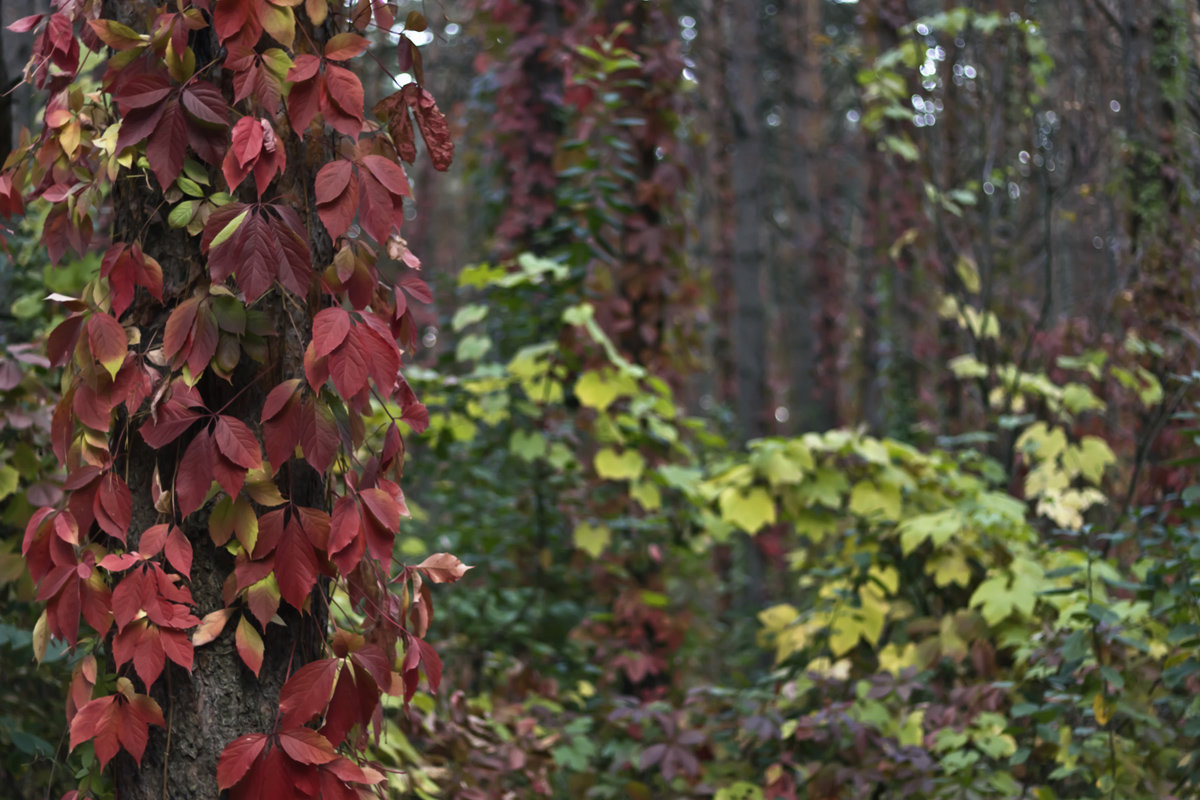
point(220, 362)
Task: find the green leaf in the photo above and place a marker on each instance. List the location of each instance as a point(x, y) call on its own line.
point(749, 510)
point(472, 347)
point(468, 315)
point(8, 480)
point(182, 214)
point(527, 445)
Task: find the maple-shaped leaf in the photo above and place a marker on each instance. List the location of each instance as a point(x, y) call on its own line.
point(247, 241)
point(258, 75)
point(147, 646)
point(191, 334)
point(443, 568)
point(117, 722)
point(70, 587)
point(306, 693)
point(244, 21)
point(172, 418)
point(237, 757)
point(126, 266)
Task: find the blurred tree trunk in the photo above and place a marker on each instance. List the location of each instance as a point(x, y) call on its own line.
point(15, 48)
point(750, 351)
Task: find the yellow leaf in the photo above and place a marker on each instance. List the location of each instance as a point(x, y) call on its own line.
point(868, 499)
point(623, 466)
point(41, 637)
point(1102, 708)
point(598, 390)
point(8, 480)
point(647, 496)
point(592, 539)
point(749, 510)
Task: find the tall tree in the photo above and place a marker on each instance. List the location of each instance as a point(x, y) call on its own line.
point(218, 370)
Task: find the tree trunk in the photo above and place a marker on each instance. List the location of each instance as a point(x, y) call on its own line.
point(221, 699)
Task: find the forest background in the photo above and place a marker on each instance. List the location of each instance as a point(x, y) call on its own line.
point(811, 384)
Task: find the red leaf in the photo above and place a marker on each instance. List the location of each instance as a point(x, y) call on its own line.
point(237, 442)
point(348, 366)
point(142, 91)
point(26, 24)
point(306, 693)
point(205, 103)
point(173, 420)
point(60, 344)
point(129, 597)
point(179, 552)
point(113, 506)
point(247, 136)
point(388, 173)
point(295, 272)
point(237, 757)
point(306, 746)
point(434, 130)
point(318, 435)
point(330, 327)
point(178, 647)
point(282, 433)
point(296, 565)
point(336, 192)
point(229, 476)
point(206, 335)
point(178, 330)
point(107, 341)
point(279, 398)
point(304, 100)
point(345, 524)
point(432, 664)
point(345, 46)
point(153, 539)
point(195, 474)
point(167, 146)
point(95, 721)
point(382, 507)
point(377, 213)
point(345, 94)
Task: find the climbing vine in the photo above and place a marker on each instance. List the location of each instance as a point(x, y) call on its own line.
point(218, 368)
